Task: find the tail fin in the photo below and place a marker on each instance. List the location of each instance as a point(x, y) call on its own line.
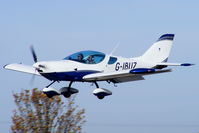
point(160, 50)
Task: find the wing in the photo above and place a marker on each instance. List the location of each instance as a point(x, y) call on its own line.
point(22, 68)
point(123, 76)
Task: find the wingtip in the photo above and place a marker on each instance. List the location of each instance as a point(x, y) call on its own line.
point(5, 66)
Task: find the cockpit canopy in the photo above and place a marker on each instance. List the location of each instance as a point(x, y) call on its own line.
point(87, 57)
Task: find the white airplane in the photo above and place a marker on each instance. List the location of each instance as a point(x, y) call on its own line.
point(93, 66)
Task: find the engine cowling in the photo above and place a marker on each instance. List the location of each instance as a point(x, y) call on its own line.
point(101, 92)
point(50, 92)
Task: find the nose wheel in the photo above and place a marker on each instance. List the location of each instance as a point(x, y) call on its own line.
point(68, 91)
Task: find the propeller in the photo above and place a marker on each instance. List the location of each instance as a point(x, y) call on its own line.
point(33, 53)
point(35, 60)
point(38, 67)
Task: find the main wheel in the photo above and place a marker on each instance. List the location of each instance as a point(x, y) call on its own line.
point(67, 95)
point(67, 92)
point(100, 97)
point(48, 95)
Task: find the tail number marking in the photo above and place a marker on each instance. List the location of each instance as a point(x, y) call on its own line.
point(125, 65)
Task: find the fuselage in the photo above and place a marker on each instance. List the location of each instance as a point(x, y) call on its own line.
point(72, 69)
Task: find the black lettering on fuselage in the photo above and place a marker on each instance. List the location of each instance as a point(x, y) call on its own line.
point(117, 66)
point(125, 65)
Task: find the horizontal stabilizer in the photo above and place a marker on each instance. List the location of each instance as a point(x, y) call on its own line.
point(174, 64)
point(21, 68)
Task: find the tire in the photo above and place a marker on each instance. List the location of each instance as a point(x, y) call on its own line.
point(67, 95)
point(100, 97)
point(49, 96)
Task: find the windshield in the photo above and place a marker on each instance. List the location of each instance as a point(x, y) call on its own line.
point(87, 57)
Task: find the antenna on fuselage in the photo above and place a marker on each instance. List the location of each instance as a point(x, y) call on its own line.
point(115, 48)
point(109, 55)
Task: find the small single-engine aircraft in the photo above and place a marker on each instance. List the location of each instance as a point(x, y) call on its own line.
point(93, 66)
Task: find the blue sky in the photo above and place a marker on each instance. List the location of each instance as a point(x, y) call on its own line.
point(162, 103)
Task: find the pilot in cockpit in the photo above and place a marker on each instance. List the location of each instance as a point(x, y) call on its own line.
point(80, 57)
point(90, 60)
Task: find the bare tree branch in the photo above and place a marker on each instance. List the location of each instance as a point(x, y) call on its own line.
point(36, 113)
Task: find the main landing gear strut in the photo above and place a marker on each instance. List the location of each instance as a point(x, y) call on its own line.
point(68, 91)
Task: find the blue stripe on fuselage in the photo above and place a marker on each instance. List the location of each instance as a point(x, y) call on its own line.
point(68, 76)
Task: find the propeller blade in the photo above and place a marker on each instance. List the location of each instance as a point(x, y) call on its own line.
point(32, 80)
point(33, 53)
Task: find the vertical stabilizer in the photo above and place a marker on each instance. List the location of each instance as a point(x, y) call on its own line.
point(160, 50)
